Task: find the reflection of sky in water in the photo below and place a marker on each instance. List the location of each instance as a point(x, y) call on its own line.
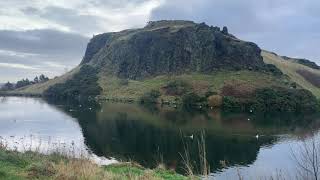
point(32, 124)
point(27, 123)
point(271, 162)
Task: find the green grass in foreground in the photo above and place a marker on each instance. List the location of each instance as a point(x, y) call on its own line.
point(29, 165)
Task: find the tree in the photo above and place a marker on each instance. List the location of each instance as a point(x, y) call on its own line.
point(225, 30)
point(36, 80)
point(8, 86)
point(22, 83)
point(307, 159)
point(43, 78)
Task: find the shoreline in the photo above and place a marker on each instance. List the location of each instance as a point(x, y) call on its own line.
point(33, 165)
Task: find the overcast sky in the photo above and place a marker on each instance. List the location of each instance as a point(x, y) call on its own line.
point(50, 36)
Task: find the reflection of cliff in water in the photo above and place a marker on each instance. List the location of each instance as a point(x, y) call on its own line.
point(129, 132)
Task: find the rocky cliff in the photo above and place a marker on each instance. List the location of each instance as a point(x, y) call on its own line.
point(171, 47)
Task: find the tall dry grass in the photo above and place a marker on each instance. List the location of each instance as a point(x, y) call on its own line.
point(191, 169)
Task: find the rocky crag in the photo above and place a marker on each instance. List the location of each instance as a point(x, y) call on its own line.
point(171, 47)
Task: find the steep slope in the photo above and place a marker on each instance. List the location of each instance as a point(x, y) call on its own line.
point(296, 71)
point(171, 47)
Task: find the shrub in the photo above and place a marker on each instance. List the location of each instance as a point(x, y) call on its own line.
point(150, 97)
point(190, 99)
point(273, 69)
point(210, 93)
point(231, 104)
point(177, 88)
point(285, 100)
point(215, 101)
point(83, 84)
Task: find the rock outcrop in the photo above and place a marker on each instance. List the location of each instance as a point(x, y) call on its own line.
point(171, 47)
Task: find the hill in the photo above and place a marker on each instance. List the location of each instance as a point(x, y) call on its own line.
point(171, 47)
point(305, 76)
point(185, 62)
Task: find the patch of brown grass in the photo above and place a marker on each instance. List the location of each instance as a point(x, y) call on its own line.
point(79, 169)
point(309, 76)
point(238, 89)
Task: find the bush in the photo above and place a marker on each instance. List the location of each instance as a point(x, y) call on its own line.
point(285, 100)
point(150, 97)
point(210, 93)
point(273, 69)
point(215, 101)
point(274, 100)
point(83, 84)
point(231, 104)
point(191, 99)
point(177, 88)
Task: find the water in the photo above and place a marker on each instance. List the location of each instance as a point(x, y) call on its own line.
point(110, 132)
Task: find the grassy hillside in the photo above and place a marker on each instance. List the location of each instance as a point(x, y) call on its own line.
point(114, 87)
point(291, 69)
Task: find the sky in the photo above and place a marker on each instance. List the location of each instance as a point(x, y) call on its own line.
point(50, 36)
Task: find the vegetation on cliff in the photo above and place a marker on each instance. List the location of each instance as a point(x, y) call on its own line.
point(83, 84)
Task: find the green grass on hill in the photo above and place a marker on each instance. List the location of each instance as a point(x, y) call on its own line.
point(113, 87)
point(29, 165)
point(290, 68)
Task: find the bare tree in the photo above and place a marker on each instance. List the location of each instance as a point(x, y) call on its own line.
point(307, 159)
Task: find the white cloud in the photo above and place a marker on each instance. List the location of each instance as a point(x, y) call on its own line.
point(17, 54)
point(17, 66)
point(78, 16)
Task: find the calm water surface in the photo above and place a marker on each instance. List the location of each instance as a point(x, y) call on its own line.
point(150, 135)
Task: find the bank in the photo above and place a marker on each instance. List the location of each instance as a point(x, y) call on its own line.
point(30, 165)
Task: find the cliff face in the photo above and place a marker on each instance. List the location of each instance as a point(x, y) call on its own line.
point(171, 47)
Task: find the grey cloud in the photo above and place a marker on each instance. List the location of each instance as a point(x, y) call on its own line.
point(88, 23)
point(47, 43)
point(84, 24)
point(45, 51)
